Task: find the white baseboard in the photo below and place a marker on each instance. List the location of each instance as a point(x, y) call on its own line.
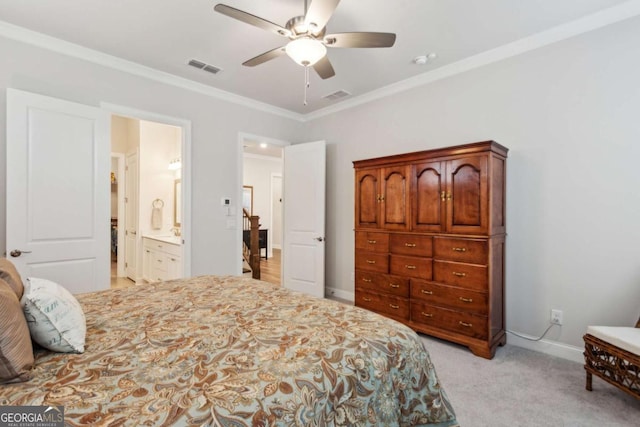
point(339, 293)
point(552, 348)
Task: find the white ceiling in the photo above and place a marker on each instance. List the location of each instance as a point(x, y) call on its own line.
point(166, 34)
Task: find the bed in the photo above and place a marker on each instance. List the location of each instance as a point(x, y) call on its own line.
point(233, 351)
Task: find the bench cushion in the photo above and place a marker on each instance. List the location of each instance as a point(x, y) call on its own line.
point(626, 338)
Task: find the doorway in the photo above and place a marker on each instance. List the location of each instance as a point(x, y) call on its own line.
point(151, 197)
point(261, 166)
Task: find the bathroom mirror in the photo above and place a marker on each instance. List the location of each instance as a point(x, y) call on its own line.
point(177, 203)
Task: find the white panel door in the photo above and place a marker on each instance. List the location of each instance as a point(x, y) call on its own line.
point(304, 217)
point(131, 241)
point(58, 190)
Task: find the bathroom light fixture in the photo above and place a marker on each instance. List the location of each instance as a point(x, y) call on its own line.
point(263, 145)
point(175, 164)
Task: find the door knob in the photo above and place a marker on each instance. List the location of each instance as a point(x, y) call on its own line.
point(17, 252)
point(319, 239)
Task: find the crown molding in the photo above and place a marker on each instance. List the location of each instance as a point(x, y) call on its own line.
point(44, 41)
point(585, 24)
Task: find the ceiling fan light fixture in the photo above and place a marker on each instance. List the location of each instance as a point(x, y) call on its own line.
point(306, 51)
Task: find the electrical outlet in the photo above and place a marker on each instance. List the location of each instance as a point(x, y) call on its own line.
point(556, 317)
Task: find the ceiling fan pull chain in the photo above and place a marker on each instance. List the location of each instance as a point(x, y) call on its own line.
point(306, 82)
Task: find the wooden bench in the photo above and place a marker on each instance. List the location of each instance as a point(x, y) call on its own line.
point(613, 354)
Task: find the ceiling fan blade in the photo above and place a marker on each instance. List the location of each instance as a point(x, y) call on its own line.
point(267, 56)
point(320, 12)
point(324, 68)
point(360, 39)
point(251, 19)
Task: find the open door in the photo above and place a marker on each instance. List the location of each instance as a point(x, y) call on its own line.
point(304, 217)
point(58, 194)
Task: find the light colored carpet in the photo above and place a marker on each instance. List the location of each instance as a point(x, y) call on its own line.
point(520, 387)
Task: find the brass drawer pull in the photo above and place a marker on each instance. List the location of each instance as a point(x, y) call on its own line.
point(459, 249)
point(366, 299)
point(393, 285)
point(426, 314)
point(395, 307)
point(466, 299)
point(467, 325)
point(370, 261)
point(364, 279)
point(455, 273)
point(410, 245)
point(427, 292)
point(372, 242)
point(410, 267)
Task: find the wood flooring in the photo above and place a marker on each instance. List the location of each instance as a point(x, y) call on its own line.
point(270, 268)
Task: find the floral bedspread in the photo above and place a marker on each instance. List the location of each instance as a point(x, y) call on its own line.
point(232, 351)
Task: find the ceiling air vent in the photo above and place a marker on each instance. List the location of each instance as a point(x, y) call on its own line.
point(337, 95)
point(205, 67)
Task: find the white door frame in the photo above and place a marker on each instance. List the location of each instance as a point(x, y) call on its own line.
point(242, 136)
point(185, 125)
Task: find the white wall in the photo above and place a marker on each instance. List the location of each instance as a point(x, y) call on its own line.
point(569, 115)
point(159, 144)
point(257, 173)
point(215, 126)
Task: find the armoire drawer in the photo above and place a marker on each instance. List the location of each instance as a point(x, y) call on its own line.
point(411, 244)
point(381, 303)
point(449, 296)
point(411, 266)
point(472, 251)
point(384, 283)
point(372, 242)
point(468, 276)
point(371, 261)
point(457, 321)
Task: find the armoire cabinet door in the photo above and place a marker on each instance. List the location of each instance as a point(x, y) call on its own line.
point(427, 194)
point(395, 198)
point(367, 198)
point(467, 195)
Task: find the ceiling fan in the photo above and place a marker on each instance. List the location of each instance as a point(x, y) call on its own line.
point(308, 41)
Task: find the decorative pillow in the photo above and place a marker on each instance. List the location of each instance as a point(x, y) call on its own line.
point(9, 274)
point(16, 351)
point(54, 316)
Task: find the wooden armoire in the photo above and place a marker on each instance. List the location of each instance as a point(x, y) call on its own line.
point(430, 242)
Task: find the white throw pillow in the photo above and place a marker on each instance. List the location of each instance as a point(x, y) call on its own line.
point(54, 316)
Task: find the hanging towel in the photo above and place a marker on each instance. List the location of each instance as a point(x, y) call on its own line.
point(156, 214)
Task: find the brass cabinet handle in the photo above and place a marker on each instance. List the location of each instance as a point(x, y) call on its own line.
point(427, 292)
point(443, 195)
point(395, 307)
point(466, 299)
point(366, 299)
point(426, 314)
point(370, 261)
point(410, 245)
point(449, 196)
point(467, 325)
point(410, 267)
point(372, 242)
point(382, 198)
point(455, 273)
point(459, 249)
point(364, 279)
point(393, 285)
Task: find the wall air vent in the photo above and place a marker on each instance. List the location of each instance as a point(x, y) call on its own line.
point(205, 67)
point(337, 95)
